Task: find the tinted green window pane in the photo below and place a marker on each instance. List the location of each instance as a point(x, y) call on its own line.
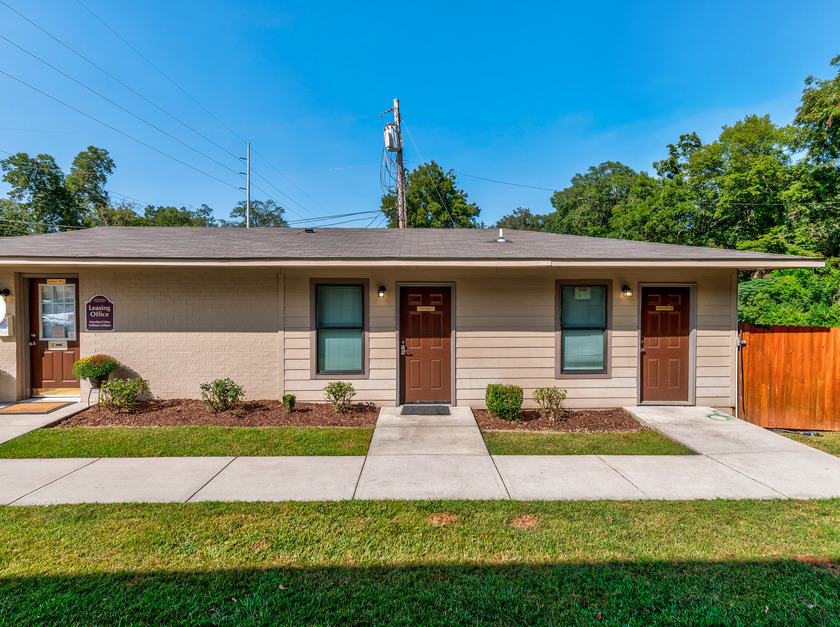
point(584, 306)
point(339, 306)
point(339, 350)
point(582, 350)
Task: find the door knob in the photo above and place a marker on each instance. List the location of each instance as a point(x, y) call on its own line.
point(402, 347)
point(32, 343)
point(32, 335)
point(642, 346)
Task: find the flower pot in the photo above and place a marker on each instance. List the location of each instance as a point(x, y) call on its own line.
point(96, 382)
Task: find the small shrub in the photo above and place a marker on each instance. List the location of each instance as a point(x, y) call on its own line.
point(505, 401)
point(120, 395)
point(289, 402)
point(221, 395)
point(339, 394)
point(550, 401)
point(95, 366)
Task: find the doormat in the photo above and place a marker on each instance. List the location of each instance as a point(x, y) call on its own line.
point(425, 410)
point(32, 408)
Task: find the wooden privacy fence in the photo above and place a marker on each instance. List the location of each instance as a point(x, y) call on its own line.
point(790, 377)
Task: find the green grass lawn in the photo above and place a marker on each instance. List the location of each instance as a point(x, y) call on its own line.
point(829, 442)
point(187, 441)
point(638, 443)
point(423, 563)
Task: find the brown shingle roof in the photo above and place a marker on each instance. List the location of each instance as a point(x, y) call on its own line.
point(185, 243)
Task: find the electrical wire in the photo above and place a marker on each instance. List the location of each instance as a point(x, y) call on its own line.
point(87, 115)
point(431, 178)
point(131, 89)
point(334, 217)
point(58, 226)
point(116, 104)
point(40, 167)
point(208, 112)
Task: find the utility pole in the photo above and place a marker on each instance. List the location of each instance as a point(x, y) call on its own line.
point(401, 217)
point(247, 187)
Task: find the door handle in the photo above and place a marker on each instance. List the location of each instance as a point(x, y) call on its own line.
point(32, 343)
point(642, 346)
point(402, 348)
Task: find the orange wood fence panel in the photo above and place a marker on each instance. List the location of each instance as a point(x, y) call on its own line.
point(790, 377)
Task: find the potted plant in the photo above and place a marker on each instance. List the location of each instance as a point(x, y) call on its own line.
point(95, 368)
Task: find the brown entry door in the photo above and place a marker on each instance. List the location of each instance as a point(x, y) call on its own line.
point(426, 344)
point(665, 344)
point(53, 335)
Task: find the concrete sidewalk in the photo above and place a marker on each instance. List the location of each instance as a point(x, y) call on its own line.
point(444, 457)
point(15, 425)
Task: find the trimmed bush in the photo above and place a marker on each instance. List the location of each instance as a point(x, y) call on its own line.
point(505, 401)
point(339, 394)
point(221, 395)
point(289, 402)
point(550, 401)
point(120, 395)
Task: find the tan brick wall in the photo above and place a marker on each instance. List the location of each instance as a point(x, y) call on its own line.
point(178, 329)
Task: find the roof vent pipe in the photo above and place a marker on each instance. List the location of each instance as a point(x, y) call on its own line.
point(501, 239)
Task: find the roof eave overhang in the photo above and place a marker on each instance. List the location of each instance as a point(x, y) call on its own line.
point(739, 264)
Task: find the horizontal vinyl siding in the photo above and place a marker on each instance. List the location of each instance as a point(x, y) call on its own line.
point(504, 333)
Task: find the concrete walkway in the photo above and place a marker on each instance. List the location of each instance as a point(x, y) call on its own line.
point(444, 457)
point(15, 425)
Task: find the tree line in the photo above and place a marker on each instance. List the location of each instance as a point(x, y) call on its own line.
point(44, 199)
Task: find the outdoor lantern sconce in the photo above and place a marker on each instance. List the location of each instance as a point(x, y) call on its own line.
point(626, 291)
point(4, 292)
point(381, 292)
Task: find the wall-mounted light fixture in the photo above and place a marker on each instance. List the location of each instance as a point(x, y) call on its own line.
point(626, 291)
point(4, 293)
point(381, 291)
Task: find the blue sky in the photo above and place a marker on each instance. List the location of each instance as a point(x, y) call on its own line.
point(528, 93)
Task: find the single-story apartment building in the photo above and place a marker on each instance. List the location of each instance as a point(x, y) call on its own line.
point(406, 315)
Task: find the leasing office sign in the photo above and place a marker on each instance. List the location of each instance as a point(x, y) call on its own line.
point(99, 314)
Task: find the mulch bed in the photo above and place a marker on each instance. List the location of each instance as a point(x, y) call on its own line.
point(183, 412)
point(581, 421)
point(186, 412)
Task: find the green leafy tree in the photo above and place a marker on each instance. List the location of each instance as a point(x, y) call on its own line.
point(173, 216)
point(38, 186)
point(14, 219)
point(86, 183)
point(522, 220)
point(792, 297)
point(586, 207)
point(818, 117)
point(432, 200)
point(263, 213)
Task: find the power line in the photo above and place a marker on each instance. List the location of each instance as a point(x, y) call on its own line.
point(472, 176)
point(58, 226)
point(431, 178)
point(87, 115)
point(131, 89)
point(188, 95)
point(334, 217)
point(119, 106)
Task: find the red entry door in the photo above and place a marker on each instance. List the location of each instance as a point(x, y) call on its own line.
point(665, 344)
point(53, 335)
point(426, 344)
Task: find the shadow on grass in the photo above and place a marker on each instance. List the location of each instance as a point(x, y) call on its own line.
point(779, 592)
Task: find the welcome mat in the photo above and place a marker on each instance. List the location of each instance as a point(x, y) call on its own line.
point(32, 408)
point(425, 410)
